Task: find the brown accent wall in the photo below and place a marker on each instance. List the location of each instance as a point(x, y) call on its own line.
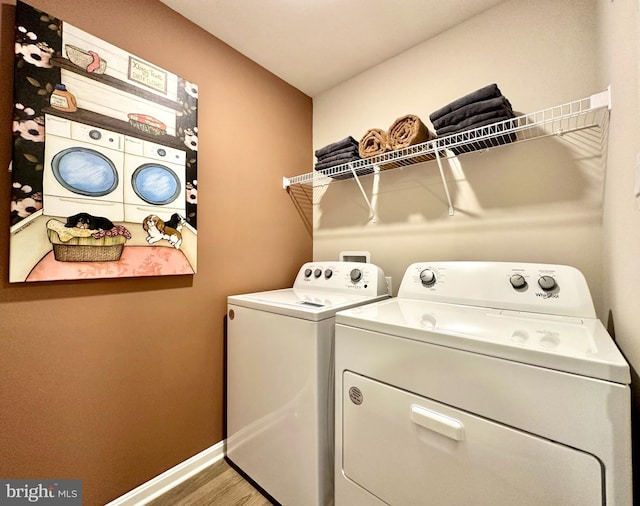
point(117, 401)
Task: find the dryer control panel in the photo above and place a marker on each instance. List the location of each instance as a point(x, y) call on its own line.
point(538, 288)
point(348, 277)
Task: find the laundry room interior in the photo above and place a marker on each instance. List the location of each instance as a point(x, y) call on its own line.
point(139, 388)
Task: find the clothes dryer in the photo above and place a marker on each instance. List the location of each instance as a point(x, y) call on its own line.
point(481, 383)
point(280, 378)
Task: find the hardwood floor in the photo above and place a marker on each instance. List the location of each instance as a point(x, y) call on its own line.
point(219, 484)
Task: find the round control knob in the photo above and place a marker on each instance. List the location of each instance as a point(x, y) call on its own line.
point(317, 273)
point(328, 273)
point(162, 152)
point(355, 275)
point(307, 273)
point(518, 281)
point(95, 134)
point(547, 283)
point(520, 336)
point(550, 340)
point(428, 277)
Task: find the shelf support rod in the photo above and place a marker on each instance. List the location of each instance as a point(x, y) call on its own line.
point(366, 199)
point(444, 181)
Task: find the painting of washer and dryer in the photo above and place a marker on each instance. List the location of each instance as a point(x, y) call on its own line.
point(104, 167)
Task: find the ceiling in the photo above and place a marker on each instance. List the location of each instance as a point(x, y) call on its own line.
point(316, 44)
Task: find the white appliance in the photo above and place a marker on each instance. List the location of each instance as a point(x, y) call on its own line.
point(280, 378)
point(155, 178)
point(481, 383)
point(83, 170)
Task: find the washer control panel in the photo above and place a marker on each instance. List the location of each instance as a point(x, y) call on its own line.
point(95, 135)
point(543, 288)
point(355, 277)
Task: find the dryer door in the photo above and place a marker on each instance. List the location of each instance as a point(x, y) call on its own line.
point(406, 449)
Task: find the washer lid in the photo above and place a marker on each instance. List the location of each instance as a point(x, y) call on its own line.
point(312, 305)
point(569, 344)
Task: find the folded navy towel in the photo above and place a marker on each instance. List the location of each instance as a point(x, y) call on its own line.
point(337, 161)
point(346, 173)
point(475, 121)
point(343, 143)
point(500, 105)
point(351, 150)
point(489, 91)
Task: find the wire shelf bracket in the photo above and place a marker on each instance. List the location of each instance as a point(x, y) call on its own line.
point(444, 183)
point(364, 194)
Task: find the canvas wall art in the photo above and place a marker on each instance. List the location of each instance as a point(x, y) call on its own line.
point(104, 167)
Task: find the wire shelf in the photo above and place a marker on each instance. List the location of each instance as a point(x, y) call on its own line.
point(590, 112)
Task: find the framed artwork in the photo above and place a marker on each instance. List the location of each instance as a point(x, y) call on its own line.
point(104, 166)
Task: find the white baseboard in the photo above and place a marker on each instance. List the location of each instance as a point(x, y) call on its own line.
point(171, 478)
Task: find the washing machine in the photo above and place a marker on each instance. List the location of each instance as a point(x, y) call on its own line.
point(482, 383)
point(155, 177)
point(279, 410)
point(82, 170)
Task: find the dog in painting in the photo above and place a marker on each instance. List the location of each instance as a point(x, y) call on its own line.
point(86, 220)
point(158, 230)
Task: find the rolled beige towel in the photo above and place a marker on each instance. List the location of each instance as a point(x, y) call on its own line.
point(373, 142)
point(407, 131)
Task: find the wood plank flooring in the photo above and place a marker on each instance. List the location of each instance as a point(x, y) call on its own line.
point(218, 485)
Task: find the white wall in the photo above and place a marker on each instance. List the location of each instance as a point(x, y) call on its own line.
point(538, 201)
point(622, 210)
point(619, 28)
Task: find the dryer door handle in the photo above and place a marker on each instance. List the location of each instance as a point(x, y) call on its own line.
point(437, 422)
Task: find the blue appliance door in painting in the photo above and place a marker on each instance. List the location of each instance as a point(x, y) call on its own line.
point(156, 184)
point(155, 180)
point(83, 170)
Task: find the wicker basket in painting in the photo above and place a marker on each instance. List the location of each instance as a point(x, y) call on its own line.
point(86, 249)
